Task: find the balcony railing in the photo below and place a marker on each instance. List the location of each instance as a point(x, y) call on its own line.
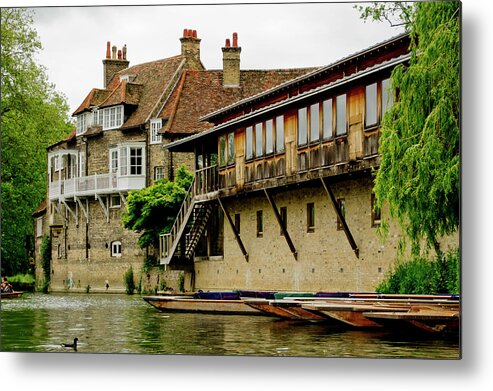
point(206, 180)
point(94, 184)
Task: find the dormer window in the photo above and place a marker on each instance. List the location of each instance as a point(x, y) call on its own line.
point(112, 117)
point(156, 125)
point(127, 78)
point(83, 122)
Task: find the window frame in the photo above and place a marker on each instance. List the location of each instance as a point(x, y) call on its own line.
point(374, 110)
point(156, 169)
point(302, 142)
point(155, 125)
point(113, 117)
point(113, 204)
point(116, 248)
point(337, 133)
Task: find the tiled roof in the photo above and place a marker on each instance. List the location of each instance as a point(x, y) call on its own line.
point(94, 98)
point(125, 93)
point(201, 92)
point(41, 209)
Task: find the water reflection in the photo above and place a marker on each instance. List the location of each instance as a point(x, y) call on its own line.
point(126, 324)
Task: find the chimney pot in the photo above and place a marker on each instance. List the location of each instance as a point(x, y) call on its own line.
point(194, 33)
point(108, 49)
point(119, 54)
point(185, 33)
point(124, 52)
point(113, 52)
point(228, 43)
point(235, 40)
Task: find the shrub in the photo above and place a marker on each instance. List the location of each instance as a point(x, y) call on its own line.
point(128, 280)
point(422, 276)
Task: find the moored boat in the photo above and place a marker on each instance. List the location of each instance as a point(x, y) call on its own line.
point(10, 295)
point(233, 305)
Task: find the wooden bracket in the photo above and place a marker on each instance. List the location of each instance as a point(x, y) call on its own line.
point(104, 206)
point(281, 224)
point(233, 228)
point(84, 210)
point(341, 217)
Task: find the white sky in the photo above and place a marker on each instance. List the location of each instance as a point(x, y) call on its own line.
point(271, 36)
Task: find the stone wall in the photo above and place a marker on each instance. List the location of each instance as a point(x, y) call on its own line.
point(325, 261)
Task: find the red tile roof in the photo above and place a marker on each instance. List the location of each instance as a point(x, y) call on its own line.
point(201, 92)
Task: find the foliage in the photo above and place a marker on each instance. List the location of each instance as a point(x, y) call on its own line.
point(419, 169)
point(46, 257)
point(149, 262)
point(396, 13)
point(33, 116)
point(128, 280)
point(152, 210)
point(22, 282)
point(421, 276)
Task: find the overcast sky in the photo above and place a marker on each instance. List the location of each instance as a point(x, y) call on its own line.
point(271, 36)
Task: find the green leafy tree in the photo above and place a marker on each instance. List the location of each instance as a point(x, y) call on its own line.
point(419, 169)
point(33, 116)
point(153, 210)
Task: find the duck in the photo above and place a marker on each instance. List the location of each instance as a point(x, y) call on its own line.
point(71, 345)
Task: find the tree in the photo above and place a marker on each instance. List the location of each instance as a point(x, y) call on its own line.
point(153, 210)
point(33, 116)
point(420, 152)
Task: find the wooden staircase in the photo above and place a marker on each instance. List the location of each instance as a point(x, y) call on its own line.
point(189, 225)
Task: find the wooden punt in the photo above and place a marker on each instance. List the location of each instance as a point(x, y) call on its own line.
point(295, 310)
point(423, 319)
point(267, 308)
point(352, 314)
point(211, 306)
point(10, 295)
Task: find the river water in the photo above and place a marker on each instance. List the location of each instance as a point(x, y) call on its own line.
point(126, 324)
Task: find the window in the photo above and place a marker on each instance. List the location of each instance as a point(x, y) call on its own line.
point(314, 122)
point(259, 150)
point(222, 151)
point(116, 249)
point(231, 148)
point(269, 137)
point(310, 217)
point(158, 173)
point(249, 142)
point(327, 119)
point(387, 96)
point(115, 201)
point(58, 163)
point(112, 117)
point(82, 123)
point(284, 217)
point(280, 134)
point(341, 115)
point(135, 161)
point(342, 207)
point(82, 164)
point(376, 213)
point(371, 117)
point(156, 125)
point(260, 224)
point(302, 118)
point(39, 227)
point(237, 223)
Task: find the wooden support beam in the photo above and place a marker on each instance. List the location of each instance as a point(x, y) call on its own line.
point(84, 210)
point(67, 207)
point(349, 236)
point(124, 198)
point(237, 235)
point(104, 207)
point(281, 224)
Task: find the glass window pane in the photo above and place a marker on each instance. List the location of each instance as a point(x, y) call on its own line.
point(302, 136)
point(341, 114)
point(280, 133)
point(314, 122)
point(123, 161)
point(371, 105)
point(387, 95)
point(269, 136)
point(222, 151)
point(231, 148)
point(327, 119)
point(249, 142)
point(259, 151)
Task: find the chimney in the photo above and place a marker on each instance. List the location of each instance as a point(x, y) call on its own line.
point(231, 63)
point(113, 64)
point(190, 49)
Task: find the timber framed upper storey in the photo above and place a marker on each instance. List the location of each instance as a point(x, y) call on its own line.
point(322, 124)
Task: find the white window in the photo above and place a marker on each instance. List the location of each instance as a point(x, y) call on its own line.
point(115, 201)
point(39, 227)
point(156, 125)
point(327, 119)
point(116, 249)
point(127, 159)
point(56, 161)
point(112, 117)
point(302, 125)
point(341, 115)
point(259, 140)
point(280, 133)
point(269, 136)
point(158, 173)
point(314, 122)
point(82, 164)
point(81, 123)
